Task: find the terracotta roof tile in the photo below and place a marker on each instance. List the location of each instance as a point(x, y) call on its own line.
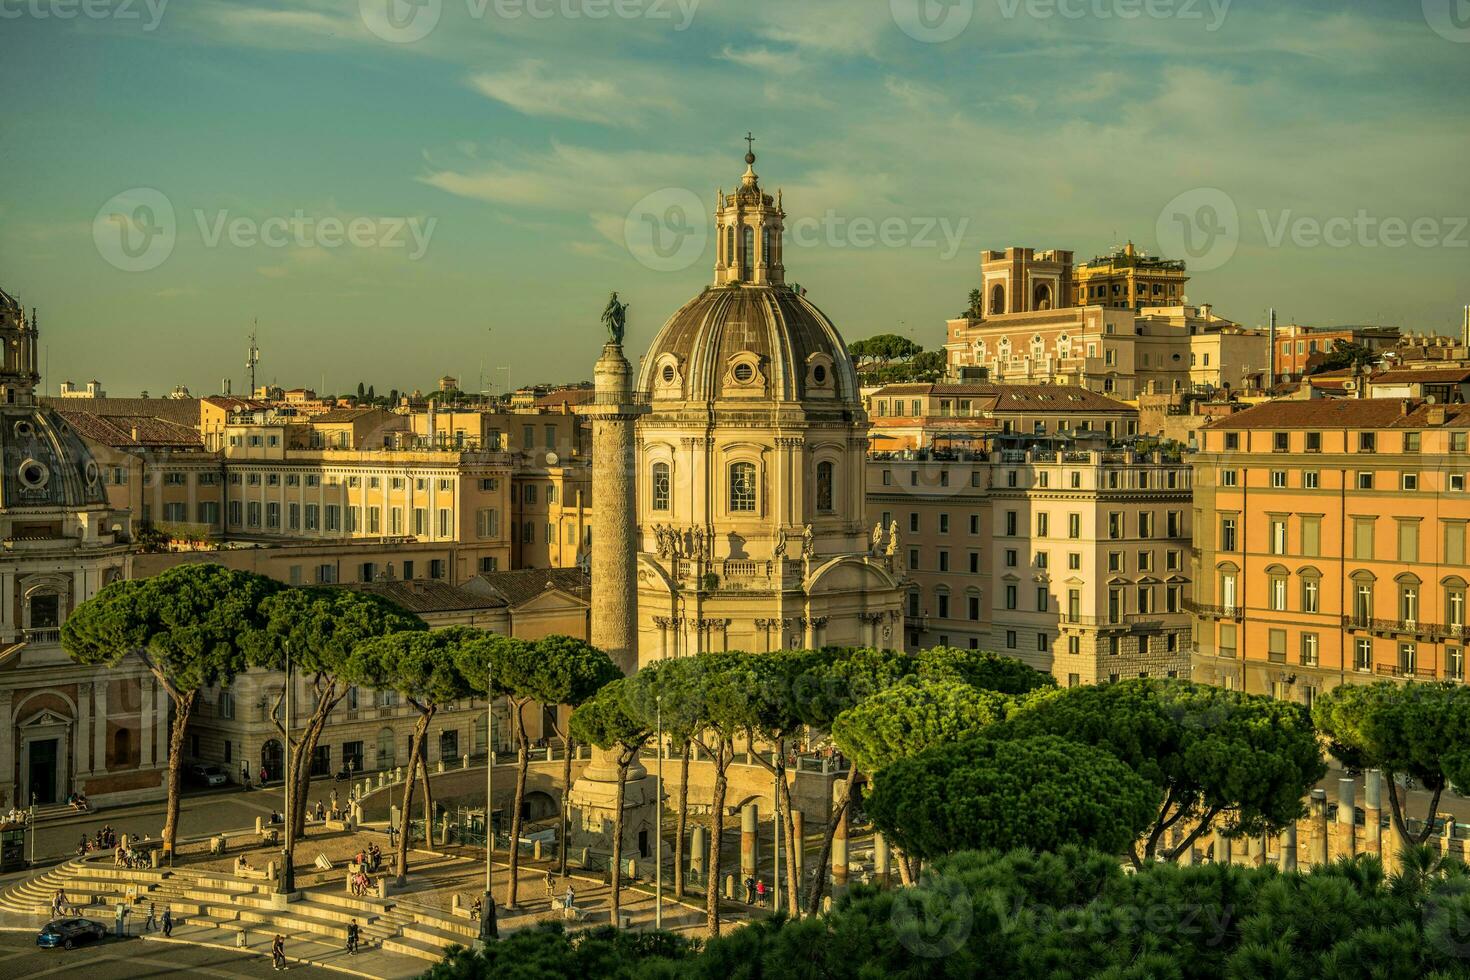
point(1345, 413)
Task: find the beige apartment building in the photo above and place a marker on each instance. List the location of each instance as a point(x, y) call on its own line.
point(1072, 560)
point(1124, 331)
point(1331, 544)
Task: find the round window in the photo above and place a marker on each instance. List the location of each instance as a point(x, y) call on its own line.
point(24, 429)
point(33, 474)
point(668, 374)
point(743, 373)
point(819, 374)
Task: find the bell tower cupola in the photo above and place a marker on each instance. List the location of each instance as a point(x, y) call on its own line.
point(748, 226)
point(18, 374)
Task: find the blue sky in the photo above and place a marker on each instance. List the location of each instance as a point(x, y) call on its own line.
point(526, 152)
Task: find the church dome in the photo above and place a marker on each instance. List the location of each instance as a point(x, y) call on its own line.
point(46, 464)
point(750, 335)
point(738, 341)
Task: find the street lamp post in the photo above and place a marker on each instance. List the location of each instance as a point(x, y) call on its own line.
point(488, 929)
point(658, 816)
point(776, 773)
point(286, 884)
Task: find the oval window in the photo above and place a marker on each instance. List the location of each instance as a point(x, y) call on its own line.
point(743, 373)
point(819, 374)
point(668, 374)
point(33, 474)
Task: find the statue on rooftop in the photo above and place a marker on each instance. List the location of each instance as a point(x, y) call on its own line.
point(616, 318)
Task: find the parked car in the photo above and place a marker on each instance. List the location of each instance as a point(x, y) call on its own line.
point(68, 933)
point(207, 774)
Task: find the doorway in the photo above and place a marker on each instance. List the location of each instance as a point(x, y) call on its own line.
point(43, 754)
point(270, 760)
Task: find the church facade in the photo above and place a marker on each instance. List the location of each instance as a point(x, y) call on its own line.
point(750, 465)
point(63, 727)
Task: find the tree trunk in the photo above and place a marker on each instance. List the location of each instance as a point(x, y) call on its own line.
point(523, 760)
point(569, 744)
point(428, 797)
point(617, 851)
point(681, 824)
point(301, 773)
point(1193, 835)
point(415, 745)
point(183, 708)
point(905, 875)
point(721, 760)
point(819, 883)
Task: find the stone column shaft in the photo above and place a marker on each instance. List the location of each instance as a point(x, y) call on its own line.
point(839, 855)
point(1288, 847)
point(1319, 827)
point(1373, 812)
point(1347, 816)
point(749, 835)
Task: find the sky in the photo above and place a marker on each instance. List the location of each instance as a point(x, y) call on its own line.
point(400, 189)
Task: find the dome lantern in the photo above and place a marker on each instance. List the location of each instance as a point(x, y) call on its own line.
point(748, 226)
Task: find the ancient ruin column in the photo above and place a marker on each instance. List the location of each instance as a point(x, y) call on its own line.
point(839, 856)
point(1373, 812)
point(697, 851)
point(1255, 851)
point(1222, 849)
point(1288, 847)
point(881, 858)
point(1318, 854)
point(614, 514)
point(798, 835)
point(749, 822)
point(1347, 820)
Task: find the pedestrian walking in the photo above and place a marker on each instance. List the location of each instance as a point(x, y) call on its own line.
point(168, 922)
point(262, 775)
point(760, 892)
point(549, 881)
point(245, 776)
point(352, 937)
point(749, 891)
point(151, 923)
point(278, 952)
point(58, 903)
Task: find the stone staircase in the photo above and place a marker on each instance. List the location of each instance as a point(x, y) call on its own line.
point(209, 899)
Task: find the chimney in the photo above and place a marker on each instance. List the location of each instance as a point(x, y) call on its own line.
point(1404, 406)
point(135, 433)
point(1437, 415)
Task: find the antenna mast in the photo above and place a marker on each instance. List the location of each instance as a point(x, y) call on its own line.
point(252, 358)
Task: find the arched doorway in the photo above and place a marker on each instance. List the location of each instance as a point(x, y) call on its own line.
point(271, 760)
point(1042, 299)
point(997, 299)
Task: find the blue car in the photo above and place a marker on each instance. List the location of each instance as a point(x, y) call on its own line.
point(68, 933)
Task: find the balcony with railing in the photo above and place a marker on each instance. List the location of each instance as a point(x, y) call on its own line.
point(1404, 670)
point(1406, 627)
point(1209, 611)
point(47, 634)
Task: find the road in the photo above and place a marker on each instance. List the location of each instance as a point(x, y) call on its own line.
point(201, 812)
point(131, 959)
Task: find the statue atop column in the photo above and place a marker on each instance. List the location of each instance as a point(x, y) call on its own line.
point(615, 316)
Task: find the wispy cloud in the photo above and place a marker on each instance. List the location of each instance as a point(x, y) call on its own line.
point(535, 88)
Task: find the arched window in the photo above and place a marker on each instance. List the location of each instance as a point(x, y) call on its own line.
point(1362, 597)
point(742, 488)
point(766, 247)
point(1454, 602)
point(729, 246)
point(1408, 598)
point(747, 252)
point(1043, 296)
point(997, 299)
point(1311, 591)
point(824, 487)
point(660, 495)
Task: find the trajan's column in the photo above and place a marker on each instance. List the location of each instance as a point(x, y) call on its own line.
point(614, 413)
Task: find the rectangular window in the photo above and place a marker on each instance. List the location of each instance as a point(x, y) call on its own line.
point(1010, 597)
point(1363, 654)
point(1367, 442)
point(395, 520)
point(1011, 524)
point(445, 522)
point(1310, 480)
point(1363, 538)
point(1278, 535)
point(1042, 525)
point(313, 517)
point(1278, 479)
point(1454, 542)
point(273, 515)
point(1227, 478)
point(252, 514)
point(1408, 481)
point(1276, 646)
point(375, 520)
point(1041, 598)
point(1365, 480)
point(1408, 540)
point(1227, 534)
point(1309, 649)
point(1074, 525)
